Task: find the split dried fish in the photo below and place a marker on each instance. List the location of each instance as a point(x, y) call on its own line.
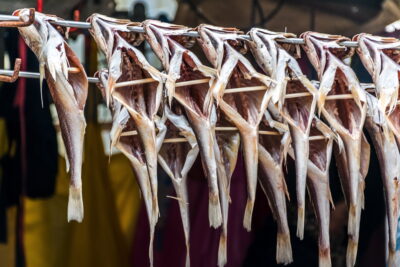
point(272, 155)
point(345, 116)
point(388, 155)
point(68, 90)
point(177, 159)
point(126, 63)
point(226, 147)
point(381, 58)
point(318, 183)
point(297, 111)
point(244, 109)
point(183, 66)
point(132, 147)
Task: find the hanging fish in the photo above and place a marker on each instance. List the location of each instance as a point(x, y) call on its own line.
point(124, 136)
point(183, 67)
point(177, 158)
point(142, 99)
point(295, 97)
point(68, 89)
point(245, 109)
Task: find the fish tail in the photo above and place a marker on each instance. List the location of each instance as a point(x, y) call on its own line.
point(214, 211)
point(301, 150)
point(325, 257)
point(248, 213)
point(300, 222)
point(222, 250)
point(392, 260)
point(283, 249)
point(187, 261)
point(75, 204)
point(250, 150)
point(351, 255)
point(151, 255)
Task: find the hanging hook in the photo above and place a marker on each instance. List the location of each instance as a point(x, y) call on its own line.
point(20, 23)
point(14, 76)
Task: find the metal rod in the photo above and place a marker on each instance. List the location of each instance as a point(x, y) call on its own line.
point(86, 25)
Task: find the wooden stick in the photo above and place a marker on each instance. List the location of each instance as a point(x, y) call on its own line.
point(135, 82)
point(245, 89)
point(74, 70)
point(339, 97)
point(129, 133)
point(295, 95)
point(186, 83)
point(174, 140)
point(316, 137)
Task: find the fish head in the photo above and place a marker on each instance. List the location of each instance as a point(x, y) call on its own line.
point(107, 32)
point(266, 50)
point(37, 34)
point(320, 46)
point(165, 38)
point(212, 40)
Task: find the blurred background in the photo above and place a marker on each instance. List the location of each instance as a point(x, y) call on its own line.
point(34, 184)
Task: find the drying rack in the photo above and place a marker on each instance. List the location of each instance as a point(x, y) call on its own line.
point(12, 75)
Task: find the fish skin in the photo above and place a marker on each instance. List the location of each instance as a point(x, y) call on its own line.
point(318, 185)
point(222, 46)
point(181, 64)
point(272, 154)
point(388, 155)
point(177, 165)
point(226, 147)
point(131, 147)
point(346, 117)
point(276, 61)
point(379, 56)
point(69, 93)
point(126, 63)
point(383, 67)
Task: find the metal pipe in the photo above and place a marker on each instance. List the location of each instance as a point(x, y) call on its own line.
point(86, 25)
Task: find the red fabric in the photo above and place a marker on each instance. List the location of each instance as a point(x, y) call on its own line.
point(39, 5)
point(169, 244)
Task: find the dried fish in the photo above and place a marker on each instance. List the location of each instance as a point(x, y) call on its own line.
point(132, 147)
point(387, 151)
point(345, 116)
point(244, 109)
point(297, 111)
point(126, 63)
point(177, 159)
point(272, 154)
point(182, 65)
point(226, 147)
point(68, 90)
point(318, 183)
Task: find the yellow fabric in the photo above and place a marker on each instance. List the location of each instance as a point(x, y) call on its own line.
point(7, 251)
point(111, 202)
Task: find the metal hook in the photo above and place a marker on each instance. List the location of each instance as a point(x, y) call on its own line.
point(20, 23)
point(14, 76)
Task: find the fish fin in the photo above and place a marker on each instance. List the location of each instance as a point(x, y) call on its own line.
point(151, 256)
point(283, 249)
point(187, 261)
point(222, 250)
point(392, 260)
point(248, 213)
point(214, 211)
point(352, 220)
point(300, 223)
point(351, 255)
point(75, 204)
point(41, 75)
point(324, 257)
